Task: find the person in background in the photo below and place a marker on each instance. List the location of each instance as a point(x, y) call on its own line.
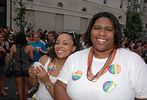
point(38, 47)
point(9, 44)
point(31, 38)
point(105, 71)
point(50, 40)
point(65, 44)
point(41, 34)
point(25, 27)
point(38, 50)
point(144, 52)
point(83, 42)
point(21, 54)
point(2, 64)
point(30, 26)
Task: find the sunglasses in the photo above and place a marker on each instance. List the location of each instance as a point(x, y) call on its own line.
point(70, 32)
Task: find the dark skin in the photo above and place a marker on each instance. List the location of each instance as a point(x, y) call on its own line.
point(60, 89)
point(102, 37)
point(140, 99)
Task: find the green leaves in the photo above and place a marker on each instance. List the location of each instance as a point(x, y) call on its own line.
point(21, 12)
point(133, 25)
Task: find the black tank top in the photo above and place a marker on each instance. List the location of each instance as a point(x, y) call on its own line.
point(21, 59)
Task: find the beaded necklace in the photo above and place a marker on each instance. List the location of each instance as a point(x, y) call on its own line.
point(109, 61)
point(52, 65)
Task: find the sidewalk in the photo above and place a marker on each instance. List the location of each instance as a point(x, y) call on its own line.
point(10, 89)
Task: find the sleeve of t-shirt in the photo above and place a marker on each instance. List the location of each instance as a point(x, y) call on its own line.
point(140, 78)
point(43, 47)
point(66, 72)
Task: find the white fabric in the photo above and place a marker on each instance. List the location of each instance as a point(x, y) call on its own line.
point(42, 93)
point(130, 82)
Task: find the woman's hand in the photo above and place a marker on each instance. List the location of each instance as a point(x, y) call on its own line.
point(2, 49)
point(42, 75)
point(32, 72)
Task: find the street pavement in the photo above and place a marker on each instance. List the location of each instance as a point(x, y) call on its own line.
point(10, 89)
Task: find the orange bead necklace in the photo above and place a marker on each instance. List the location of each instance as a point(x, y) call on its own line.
point(109, 61)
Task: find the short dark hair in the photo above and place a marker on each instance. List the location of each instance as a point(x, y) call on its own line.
point(116, 25)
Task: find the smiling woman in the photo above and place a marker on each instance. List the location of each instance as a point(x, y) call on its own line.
point(102, 36)
point(105, 71)
point(46, 75)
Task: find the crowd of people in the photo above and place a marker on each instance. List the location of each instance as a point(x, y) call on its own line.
point(69, 62)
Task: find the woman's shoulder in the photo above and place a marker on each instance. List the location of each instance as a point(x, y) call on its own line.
point(128, 54)
point(80, 54)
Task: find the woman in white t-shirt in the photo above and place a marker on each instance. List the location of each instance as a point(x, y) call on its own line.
point(65, 44)
point(104, 71)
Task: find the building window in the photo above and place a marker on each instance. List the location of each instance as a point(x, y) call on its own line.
point(138, 9)
point(2, 9)
point(120, 17)
point(135, 2)
point(129, 3)
point(29, 0)
point(105, 1)
point(139, 1)
point(60, 4)
point(144, 9)
point(121, 3)
point(145, 1)
point(84, 9)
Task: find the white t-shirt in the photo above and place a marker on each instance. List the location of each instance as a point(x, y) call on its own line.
point(125, 79)
point(42, 93)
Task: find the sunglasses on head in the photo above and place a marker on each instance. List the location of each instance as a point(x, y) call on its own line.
point(70, 32)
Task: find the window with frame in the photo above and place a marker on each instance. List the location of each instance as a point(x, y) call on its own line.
point(105, 2)
point(60, 4)
point(138, 9)
point(135, 2)
point(29, 0)
point(121, 3)
point(84, 9)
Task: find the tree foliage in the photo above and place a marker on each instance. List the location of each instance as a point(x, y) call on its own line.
point(21, 12)
point(133, 25)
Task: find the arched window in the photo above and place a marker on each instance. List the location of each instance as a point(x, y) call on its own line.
point(120, 17)
point(84, 9)
point(105, 1)
point(60, 4)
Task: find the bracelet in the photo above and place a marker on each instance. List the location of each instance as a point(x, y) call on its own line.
point(33, 77)
point(49, 86)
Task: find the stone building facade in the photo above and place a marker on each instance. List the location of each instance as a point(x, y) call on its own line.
point(63, 15)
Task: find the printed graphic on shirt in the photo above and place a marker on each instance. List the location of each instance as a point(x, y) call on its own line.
point(108, 86)
point(114, 69)
point(77, 75)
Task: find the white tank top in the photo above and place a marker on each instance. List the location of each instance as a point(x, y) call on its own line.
point(42, 93)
